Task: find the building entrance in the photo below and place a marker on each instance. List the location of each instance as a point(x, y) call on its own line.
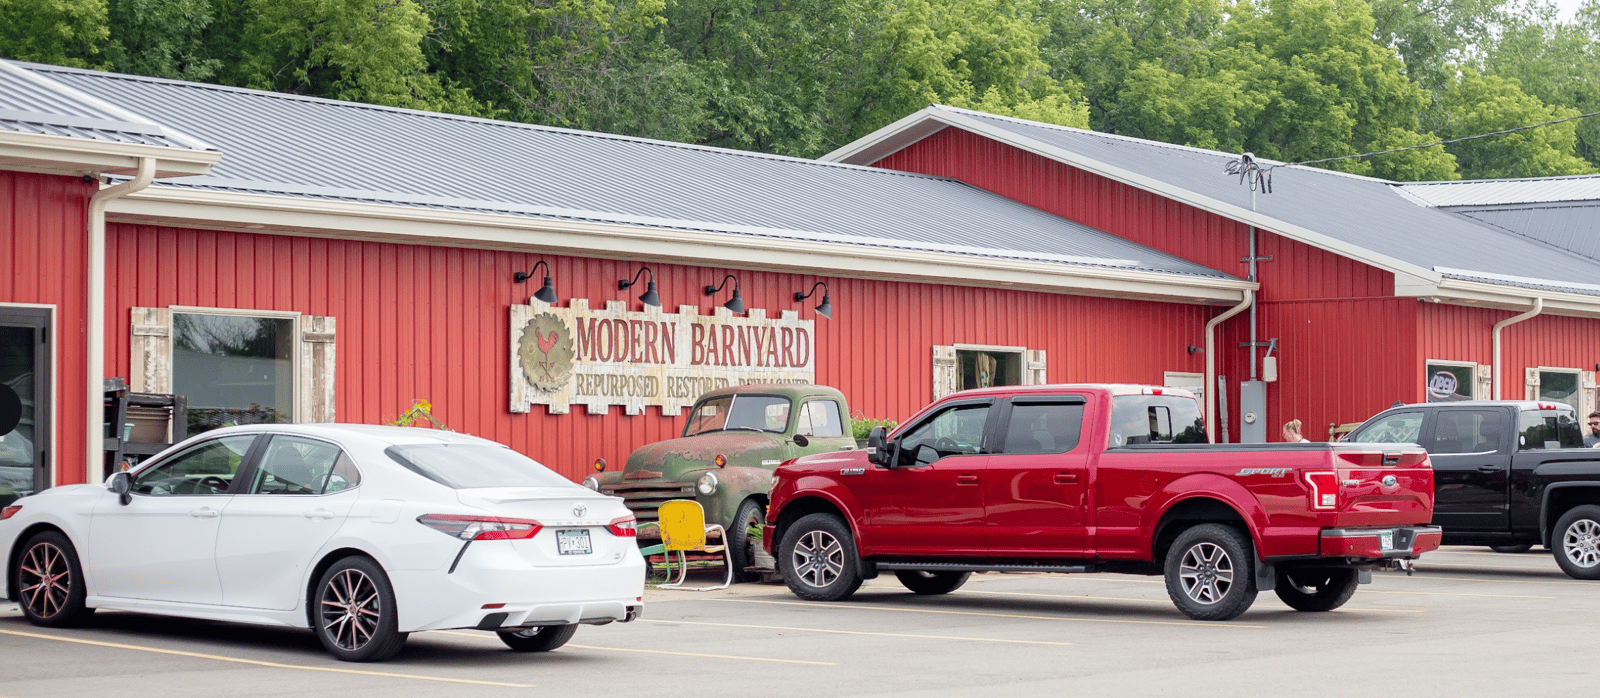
point(25, 402)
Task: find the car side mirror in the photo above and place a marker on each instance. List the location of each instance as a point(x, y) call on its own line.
point(122, 484)
point(801, 440)
point(877, 452)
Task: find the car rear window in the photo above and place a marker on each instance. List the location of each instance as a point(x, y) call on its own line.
point(469, 466)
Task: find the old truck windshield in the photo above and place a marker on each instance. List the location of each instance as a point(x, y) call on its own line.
point(740, 413)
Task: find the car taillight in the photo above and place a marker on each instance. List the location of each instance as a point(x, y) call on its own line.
point(626, 526)
point(1324, 490)
point(481, 527)
point(10, 511)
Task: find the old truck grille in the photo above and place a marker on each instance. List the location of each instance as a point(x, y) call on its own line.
point(644, 499)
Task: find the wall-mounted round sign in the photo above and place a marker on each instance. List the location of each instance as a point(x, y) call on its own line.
point(1442, 384)
point(10, 409)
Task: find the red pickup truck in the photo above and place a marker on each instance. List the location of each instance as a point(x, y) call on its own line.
point(1099, 478)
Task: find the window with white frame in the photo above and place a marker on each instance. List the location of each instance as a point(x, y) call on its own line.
point(1450, 381)
point(966, 366)
point(1566, 385)
point(236, 366)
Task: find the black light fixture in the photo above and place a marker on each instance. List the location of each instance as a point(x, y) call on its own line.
point(649, 297)
point(826, 308)
point(547, 292)
point(734, 304)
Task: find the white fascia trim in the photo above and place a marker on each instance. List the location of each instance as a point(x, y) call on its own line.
point(37, 152)
point(903, 133)
point(1486, 295)
point(102, 105)
point(368, 221)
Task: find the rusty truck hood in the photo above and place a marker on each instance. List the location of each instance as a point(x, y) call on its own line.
point(669, 460)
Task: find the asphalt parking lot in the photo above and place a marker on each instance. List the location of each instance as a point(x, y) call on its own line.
point(1470, 623)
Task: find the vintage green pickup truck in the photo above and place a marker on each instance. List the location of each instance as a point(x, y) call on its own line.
point(733, 441)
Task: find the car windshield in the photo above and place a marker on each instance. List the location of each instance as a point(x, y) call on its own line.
point(468, 466)
point(739, 413)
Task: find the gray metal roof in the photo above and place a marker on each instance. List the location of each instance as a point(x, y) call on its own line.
point(1485, 192)
point(1363, 212)
point(1574, 227)
point(298, 146)
point(31, 105)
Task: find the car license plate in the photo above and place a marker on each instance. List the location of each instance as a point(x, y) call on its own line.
point(1385, 540)
point(573, 541)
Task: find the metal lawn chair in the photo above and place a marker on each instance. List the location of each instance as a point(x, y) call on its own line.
point(683, 529)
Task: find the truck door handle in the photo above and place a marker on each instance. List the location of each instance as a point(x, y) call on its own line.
point(966, 479)
point(205, 513)
point(1488, 468)
point(318, 514)
point(1066, 478)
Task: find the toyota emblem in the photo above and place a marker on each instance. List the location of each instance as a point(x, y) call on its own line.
point(1390, 481)
point(579, 510)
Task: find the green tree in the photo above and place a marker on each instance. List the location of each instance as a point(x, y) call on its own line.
point(1479, 104)
point(160, 38)
point(1557, 63)
point(60, 32)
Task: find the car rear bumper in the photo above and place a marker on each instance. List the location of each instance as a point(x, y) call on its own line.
point(1403, 541)
point(500, 590)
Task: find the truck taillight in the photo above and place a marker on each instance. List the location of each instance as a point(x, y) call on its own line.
point(625, 526)
point(1324, 490)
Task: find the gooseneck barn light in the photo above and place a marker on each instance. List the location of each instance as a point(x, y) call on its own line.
point(649, 297)
point(734, 304)
point(826, 308)
point(547, 292)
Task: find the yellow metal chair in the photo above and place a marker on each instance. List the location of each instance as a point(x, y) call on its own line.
point(683, 529)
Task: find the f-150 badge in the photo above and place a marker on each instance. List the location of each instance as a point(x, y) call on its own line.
point(1272, 472)
point(852, 471)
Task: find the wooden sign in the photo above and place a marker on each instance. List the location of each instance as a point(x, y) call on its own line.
point(599, 358)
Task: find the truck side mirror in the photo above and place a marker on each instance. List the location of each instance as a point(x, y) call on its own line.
point(121, 483)
point(877, 452)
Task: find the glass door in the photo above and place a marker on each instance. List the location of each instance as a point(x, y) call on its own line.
point(24, 402)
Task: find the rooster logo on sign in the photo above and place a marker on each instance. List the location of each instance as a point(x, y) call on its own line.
point(545, 352)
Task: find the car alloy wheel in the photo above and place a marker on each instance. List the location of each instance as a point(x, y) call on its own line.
point(1206, 573)
point(818, 558)
point(1581, 542)
point(350, 609)
point(45, 579)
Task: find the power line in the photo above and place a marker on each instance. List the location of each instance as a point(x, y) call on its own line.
point(1260, 176)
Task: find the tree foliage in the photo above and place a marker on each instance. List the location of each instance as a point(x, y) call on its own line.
point(62, 32)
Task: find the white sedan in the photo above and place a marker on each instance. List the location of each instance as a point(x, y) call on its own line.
point(361, 533)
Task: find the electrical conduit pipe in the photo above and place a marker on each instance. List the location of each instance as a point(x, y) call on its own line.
point(1498, 376)
point(96, 321)
point(1211, 362)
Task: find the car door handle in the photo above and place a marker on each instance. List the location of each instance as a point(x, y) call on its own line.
point(1066, 478)
point(205, 513)
point(318, 514)
point(966, 479)
point(1488, 468)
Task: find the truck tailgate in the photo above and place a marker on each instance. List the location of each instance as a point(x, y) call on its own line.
point(1373, 485)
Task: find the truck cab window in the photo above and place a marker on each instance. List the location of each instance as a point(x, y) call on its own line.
point(1467, 431)
point(1548, 430)
point(1396, 428)
point(1156, 419)
point(954, 431)
point(1043, 428)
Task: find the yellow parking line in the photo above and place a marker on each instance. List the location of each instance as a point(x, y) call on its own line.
point(1453, 593)
point(859, 632)
point(1572, 582)
point(257, 662)
point(679, 654)
point(900, 609)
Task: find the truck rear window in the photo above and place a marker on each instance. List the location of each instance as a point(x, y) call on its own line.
point(1548, 430)
point(1156, 419)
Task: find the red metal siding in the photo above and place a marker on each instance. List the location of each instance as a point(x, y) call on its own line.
point(432, 323)
point(43, 260)
point(1456, 333)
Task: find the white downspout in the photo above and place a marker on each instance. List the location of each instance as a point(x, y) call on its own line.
point(96, 321)
point(1499, 376)
point(1211, 362)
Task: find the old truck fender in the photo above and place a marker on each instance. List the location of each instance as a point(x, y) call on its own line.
point(1205, 486)
point(736, 483)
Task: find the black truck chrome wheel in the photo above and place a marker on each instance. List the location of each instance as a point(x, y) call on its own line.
point(1576, 542)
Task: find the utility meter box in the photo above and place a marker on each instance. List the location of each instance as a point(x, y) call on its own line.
point(1253, 412)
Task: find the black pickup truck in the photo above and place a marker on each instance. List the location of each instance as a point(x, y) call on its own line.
point(1507, 474)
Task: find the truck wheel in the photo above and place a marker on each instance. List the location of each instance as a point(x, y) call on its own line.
point(1316, 590)
point(1576, 541)
point(1512, 549)
point(931, 583)
point(1211, 573)
point(741, 545)
point(818, 558)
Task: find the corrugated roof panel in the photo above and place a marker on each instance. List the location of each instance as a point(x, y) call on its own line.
point(311, 147)
point(1507, 191)
point(1570, 227)
point(29, 105)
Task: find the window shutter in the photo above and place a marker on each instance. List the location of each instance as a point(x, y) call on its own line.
point(1485, 382)
point(315, 390)
point(1035, 373)
point(150, 362)
point(944, 371)
point(1587, 384)
point(1531, 378)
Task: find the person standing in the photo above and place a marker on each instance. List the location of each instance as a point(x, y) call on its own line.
point(1291, 432)
point(1592, 439)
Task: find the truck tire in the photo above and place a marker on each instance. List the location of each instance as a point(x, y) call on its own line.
point(1576, 542)
point(1210, 572)
point(932, 583)
point(741, 546)
point(818, 559)
point(1512, 549)
point(1316, 590)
